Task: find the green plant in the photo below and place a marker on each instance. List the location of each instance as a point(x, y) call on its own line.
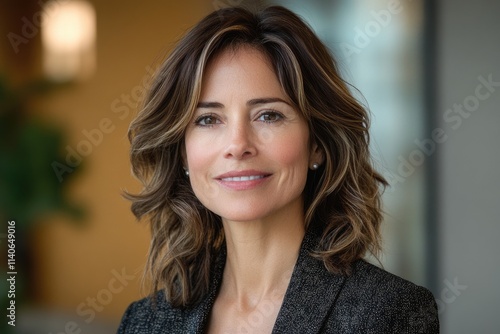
point(29, 188)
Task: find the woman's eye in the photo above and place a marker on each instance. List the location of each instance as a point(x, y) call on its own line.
point(206, 120)
point(270, 117)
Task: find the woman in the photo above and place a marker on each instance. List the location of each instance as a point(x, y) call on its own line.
point(259, 190)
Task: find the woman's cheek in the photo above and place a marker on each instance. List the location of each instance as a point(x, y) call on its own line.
point(200, 158)
point(291, 150)
point(197, 151)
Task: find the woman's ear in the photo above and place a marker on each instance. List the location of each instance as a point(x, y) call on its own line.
point(316, 156)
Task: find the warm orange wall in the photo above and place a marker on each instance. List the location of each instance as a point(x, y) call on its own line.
point(77, 263)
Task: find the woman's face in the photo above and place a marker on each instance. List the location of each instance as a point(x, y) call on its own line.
point(247, 149)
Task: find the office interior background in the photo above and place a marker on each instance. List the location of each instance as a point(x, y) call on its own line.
point(73, 71)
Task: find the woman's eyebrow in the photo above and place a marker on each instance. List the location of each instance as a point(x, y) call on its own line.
point(250, 103)
point(265, 100)
point(210, 105)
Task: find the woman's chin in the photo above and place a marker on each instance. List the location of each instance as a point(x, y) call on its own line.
point(239, 218)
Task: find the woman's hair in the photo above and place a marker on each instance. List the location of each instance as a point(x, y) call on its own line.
point(341, 198)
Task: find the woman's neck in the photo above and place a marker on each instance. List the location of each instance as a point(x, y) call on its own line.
point(261, 256)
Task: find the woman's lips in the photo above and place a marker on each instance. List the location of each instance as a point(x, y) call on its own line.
point(242, 180)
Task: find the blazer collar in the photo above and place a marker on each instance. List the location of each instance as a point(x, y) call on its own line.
point(198, 317)
point(311, 294)
point(309, 298)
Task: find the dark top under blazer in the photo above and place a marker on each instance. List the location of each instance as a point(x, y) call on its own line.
point(370, 300)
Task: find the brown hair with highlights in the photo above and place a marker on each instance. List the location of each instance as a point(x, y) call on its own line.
point(341, 198)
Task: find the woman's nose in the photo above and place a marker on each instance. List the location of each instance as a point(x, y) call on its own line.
point(240, 142)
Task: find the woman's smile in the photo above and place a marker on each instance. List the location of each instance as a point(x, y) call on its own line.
point(243, 180)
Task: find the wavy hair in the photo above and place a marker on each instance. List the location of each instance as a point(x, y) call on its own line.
point(341, 198)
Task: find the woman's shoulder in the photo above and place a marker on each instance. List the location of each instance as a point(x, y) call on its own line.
point(387, 301)
point(375, 282)
point(366, 280)
point(145, 313)
point(366, 272)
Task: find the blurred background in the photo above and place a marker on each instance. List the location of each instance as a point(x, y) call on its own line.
point(73, 71)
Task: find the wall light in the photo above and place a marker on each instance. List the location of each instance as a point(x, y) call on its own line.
point(68, 38)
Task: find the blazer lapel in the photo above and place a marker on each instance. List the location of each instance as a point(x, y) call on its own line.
point(311, 294)
point(197, 318)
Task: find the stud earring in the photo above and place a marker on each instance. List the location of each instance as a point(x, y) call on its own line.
point(186, 172)
point(315, 166)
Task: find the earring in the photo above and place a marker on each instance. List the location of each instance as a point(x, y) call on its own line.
point(315, 166)
point(186, 172)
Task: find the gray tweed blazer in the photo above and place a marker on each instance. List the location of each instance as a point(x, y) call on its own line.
point(370, 300)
